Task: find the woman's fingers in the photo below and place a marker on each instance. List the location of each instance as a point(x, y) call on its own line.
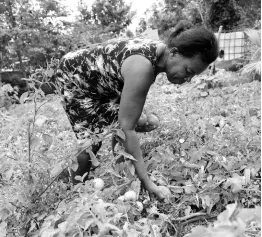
point(153, 190)
point(145, 128)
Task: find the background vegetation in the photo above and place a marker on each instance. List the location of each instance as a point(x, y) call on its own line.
point(36, 31)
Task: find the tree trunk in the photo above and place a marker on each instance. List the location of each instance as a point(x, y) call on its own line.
point(13, 23)
point(200, 10)
point(21, 66)
point(207, 4)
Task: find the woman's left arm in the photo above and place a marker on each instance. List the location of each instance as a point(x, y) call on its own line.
point(138, 76)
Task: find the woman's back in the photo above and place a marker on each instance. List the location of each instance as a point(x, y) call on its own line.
point(85, 66)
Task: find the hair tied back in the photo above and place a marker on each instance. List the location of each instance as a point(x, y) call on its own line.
point(182, 26)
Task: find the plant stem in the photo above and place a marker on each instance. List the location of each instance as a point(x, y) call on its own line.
point(29, 143)
point(51, 182)
point(189, 216)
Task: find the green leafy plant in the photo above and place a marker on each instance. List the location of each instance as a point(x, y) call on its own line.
point(206, 152)
point(253, 68)
point(8, 95)
point(232, 222)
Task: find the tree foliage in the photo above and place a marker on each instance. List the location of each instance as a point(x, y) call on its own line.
point(250, 12)
point(225, 13)
point(165, 16)
point(112, 15)
point(37, 31)
point(103, 21)
point(142, 25)
point(32, 31)
point(231, 14)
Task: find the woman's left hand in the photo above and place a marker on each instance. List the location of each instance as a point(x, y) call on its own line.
point(153, 190)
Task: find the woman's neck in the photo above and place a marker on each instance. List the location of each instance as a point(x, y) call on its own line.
point(161, 57)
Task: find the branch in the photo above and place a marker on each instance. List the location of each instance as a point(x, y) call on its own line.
point(190, 216)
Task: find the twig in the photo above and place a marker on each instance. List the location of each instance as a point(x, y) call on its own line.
point(36, 111)
point(114, 182)
point(191, 166)
point(30, 134)
point(15, 205)
point(29, 143)
point(51, 182)
point(189, 216)
point(169, 222)
point(197, 218)
point(57, 205)
point(199, 8)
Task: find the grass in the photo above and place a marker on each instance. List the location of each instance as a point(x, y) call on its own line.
point(190, 131)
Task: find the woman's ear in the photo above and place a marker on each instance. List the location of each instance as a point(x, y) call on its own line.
point(160, 50)
point(173, 51)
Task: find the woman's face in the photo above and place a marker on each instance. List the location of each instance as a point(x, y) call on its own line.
point(180, 69)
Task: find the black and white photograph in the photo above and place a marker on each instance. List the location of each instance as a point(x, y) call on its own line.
point(130, 118)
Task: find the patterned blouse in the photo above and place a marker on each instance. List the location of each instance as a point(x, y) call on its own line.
point(91, 83)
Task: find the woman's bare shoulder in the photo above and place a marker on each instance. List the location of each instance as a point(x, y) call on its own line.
point(137, 66)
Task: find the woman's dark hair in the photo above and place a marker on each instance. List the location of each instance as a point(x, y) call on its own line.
point(191, 41)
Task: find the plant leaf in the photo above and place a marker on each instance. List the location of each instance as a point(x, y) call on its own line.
point(176, 189)
point(35, 142)
point(136, 186)
point(204, 94)
point(74, 165)
point(131, 168)
point(4, 213)
point(225, 215)
point(190, 188)
point(48, 139)
point(8, 174)
point(78, 177)
point(121, 134)
point(246, 214)
point(56, 170)
point(23, 97)
point(254, 36)
point(93, 158)
point(235, 182)
point(49, 72)
point(126, 155)
point(40, 121)
point(198, 231)
point(3, 227)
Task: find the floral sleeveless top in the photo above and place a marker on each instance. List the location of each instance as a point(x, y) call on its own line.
point(91, 82)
